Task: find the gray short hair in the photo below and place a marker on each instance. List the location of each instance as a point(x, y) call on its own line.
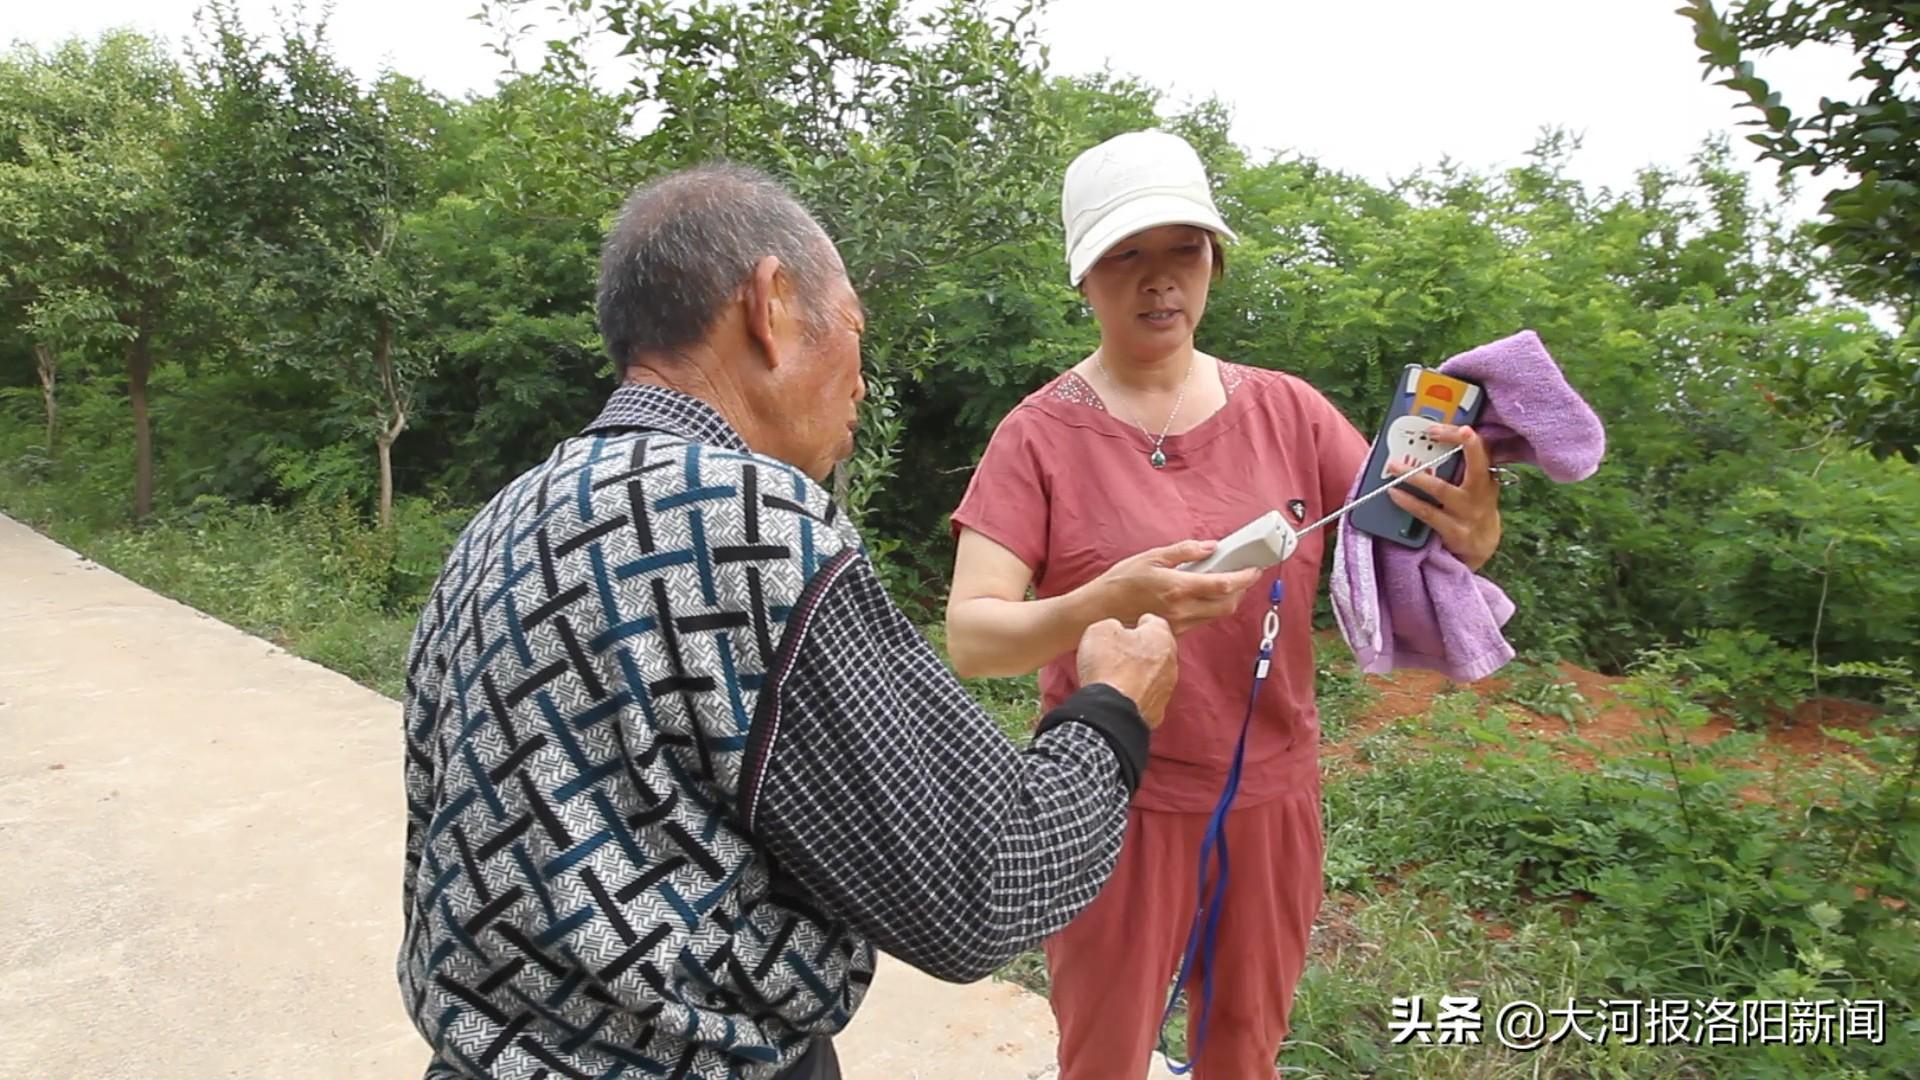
point(686, 241)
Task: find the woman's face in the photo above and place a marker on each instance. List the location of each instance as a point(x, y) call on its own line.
point(1149, 290)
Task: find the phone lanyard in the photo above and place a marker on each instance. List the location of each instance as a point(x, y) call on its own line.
point(1202, 935)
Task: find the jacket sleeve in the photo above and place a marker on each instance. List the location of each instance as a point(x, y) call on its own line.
point(877, 782)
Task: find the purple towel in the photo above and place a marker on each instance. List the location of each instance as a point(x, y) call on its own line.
point(1421, 607)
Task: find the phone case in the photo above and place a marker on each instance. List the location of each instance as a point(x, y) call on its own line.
point(1421, 397)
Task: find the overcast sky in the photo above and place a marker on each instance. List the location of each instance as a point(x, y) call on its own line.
point(1379, 88)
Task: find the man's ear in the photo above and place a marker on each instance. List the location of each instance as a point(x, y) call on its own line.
point(766, 298)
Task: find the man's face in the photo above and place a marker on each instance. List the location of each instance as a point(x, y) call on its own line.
point(1150, 289)
point(822, 397)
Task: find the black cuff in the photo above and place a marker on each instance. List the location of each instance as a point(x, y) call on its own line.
point(1115, 717)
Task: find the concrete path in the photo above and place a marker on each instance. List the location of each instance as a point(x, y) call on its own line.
point(200, 860)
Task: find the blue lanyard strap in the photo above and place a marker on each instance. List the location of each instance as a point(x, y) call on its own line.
point(1203, 934)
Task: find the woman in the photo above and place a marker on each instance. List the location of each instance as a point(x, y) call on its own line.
point(1091, 493)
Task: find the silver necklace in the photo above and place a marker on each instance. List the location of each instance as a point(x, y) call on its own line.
point(1157, 457)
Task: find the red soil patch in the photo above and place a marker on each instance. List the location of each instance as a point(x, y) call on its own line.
point(1494, 928)
point(1611, 722)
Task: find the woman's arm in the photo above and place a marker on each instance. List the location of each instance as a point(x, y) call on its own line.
point(993, 630)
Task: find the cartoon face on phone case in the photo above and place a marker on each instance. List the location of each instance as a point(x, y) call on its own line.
point(1409, 444)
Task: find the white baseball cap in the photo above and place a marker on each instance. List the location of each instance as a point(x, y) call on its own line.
point(1130, 183)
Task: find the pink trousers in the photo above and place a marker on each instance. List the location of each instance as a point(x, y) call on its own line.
point(1112, 967)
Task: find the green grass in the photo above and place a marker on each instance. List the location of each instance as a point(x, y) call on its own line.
point(1540, 688)
point(316, 581)
point(1341, 692)
point(1401, 945)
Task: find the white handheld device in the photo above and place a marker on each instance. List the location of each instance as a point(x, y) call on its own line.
point(1262, 542)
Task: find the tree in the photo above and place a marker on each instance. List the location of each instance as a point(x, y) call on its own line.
point(914, 140)
point(17, 296)
point(91, 217)
point(309, 184)
point(529, 179)
point(1871, 225)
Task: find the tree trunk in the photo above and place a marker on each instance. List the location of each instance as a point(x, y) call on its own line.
point(395, 420)
point(384, 443)
point(43, 358)
point(139, 366)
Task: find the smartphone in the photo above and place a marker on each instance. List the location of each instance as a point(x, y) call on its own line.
point(1421, 397)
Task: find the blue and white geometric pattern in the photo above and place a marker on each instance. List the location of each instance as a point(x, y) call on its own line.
point(582, 899)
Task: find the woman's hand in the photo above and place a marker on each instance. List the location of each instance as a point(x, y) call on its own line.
point(1147, 583)
point(1468, 517)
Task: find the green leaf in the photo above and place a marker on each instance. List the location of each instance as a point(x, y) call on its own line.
point(1824, 915)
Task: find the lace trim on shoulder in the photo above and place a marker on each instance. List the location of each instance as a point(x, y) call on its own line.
point(1231, 376)
point(1072, 388)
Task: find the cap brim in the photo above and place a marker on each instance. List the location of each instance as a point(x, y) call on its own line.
point(1138, 215)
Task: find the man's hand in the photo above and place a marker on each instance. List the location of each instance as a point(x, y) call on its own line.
point(1148, 583)
point(1468, 517)
point(1142, 663)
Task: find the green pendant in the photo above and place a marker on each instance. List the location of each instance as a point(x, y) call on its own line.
point(1158, 460)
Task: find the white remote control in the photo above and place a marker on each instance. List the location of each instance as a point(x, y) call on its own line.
point(1265, 541)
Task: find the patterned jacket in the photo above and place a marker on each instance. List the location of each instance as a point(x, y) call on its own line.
point(676, 765)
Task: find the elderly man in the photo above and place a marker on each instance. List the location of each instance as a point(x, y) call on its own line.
point(675, 764)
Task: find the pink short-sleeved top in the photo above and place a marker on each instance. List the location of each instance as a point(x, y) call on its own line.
point(1066, 486)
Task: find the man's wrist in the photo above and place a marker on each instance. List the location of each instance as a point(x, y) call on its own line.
point(1114, 715)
